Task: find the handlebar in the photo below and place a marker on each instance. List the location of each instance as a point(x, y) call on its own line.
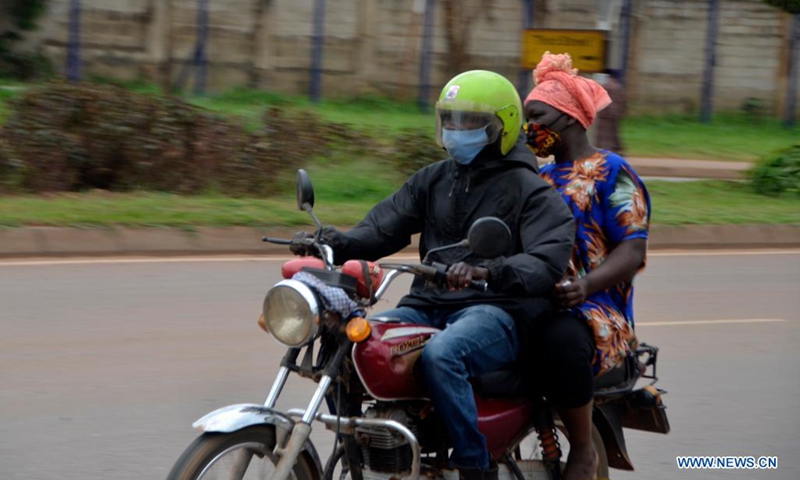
point(479, 285)
point(324, 251)
point(436, 273)
point(277, 241)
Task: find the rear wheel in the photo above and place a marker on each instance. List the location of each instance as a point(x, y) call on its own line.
point(242, 455)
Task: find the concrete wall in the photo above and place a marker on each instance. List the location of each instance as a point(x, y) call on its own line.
point(374, 45)
point(670, 53)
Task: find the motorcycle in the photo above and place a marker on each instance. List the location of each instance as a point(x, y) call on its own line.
point(368, 375)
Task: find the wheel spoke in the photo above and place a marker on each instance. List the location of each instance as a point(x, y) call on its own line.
point(241, 462)
point(245, 454)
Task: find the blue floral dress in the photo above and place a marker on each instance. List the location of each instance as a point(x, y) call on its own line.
point(610, 204)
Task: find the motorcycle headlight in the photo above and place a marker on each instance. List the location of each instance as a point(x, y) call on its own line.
point(291, 313)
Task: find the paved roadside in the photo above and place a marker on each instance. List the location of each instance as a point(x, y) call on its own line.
point(56, 241)
point(683, 168)
point(65, 242)
point(679, 168)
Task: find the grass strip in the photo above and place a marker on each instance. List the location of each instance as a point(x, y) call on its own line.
point(674, 203)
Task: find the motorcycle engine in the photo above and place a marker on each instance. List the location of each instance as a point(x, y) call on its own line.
point(385, 451)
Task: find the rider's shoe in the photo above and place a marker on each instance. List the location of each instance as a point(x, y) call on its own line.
point(474, 473)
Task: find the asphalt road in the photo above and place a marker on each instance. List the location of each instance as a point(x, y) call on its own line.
point(104, 366)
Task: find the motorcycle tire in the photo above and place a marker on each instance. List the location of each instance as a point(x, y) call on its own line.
point(211, 450)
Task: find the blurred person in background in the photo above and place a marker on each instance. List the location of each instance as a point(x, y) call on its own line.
point(593, 332)
point(608, 119)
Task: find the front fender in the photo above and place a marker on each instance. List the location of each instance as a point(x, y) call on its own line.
point(236, 417)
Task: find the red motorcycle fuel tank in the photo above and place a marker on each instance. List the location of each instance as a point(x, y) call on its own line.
point(386, 363)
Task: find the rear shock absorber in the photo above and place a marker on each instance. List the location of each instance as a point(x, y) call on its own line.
point(548, 439)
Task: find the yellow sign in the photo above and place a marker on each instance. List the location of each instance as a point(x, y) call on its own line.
point(587, 47)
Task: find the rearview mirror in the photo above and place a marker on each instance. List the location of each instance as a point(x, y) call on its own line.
point(304, 190)
point(489, 237)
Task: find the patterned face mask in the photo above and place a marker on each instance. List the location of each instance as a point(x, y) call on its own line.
point(542, 140)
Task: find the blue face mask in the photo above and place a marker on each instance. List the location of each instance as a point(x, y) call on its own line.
point(464, 145)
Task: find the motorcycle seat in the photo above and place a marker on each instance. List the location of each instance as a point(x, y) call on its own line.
point(510, 382)
point(502, 384)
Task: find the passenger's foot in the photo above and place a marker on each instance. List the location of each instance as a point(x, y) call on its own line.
point(581, 463)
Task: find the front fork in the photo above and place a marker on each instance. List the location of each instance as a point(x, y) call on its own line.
point(300, 433)
point(302, 430)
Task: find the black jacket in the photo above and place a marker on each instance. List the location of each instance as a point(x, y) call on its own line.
point(442, 200)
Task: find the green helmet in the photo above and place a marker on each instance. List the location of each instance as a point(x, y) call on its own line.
point(481, 99)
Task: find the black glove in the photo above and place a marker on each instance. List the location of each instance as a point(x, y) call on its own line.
point(333, 238)
point(298, 247)
point(329, 236)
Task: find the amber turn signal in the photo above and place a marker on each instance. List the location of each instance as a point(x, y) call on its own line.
point(358, 329)
point(262, 323)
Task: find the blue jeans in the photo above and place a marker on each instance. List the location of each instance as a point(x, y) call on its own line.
point(473, 341)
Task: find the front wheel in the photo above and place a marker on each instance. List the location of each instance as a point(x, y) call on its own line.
point(242, 455)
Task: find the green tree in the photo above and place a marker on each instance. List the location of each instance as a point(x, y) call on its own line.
point(25, 12)
point(22, 16)
point(791, 6)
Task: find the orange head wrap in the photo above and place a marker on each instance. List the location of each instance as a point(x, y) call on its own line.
point(558, 85)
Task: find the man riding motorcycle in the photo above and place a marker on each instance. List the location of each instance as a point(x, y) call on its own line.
point(491, 172)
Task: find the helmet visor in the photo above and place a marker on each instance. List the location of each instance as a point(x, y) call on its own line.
point(467, 116)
